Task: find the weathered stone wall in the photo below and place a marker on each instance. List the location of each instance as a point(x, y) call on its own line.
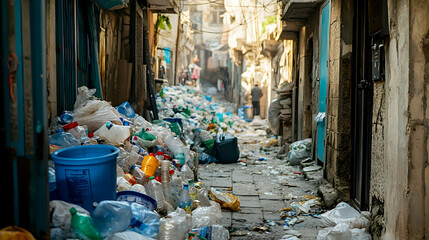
point(338, 121)
point(378, 163)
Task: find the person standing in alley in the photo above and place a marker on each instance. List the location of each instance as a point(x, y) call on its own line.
point(256, 96)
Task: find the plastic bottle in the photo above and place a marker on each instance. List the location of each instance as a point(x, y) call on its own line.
point(149, 165)
point(154, 190)
point(166, 185)
point(111, 217)
point(83, 225)
point(140, 175)
point(115, 134)
point(176, 185)
point(187, 172)
point(144, 221)
point(185, 200)
point(138, 188)
point(72, 129)
point(160, 156)
point(192, 190)
point(130, 178)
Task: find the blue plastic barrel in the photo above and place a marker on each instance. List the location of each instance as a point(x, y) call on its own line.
point(86, 174)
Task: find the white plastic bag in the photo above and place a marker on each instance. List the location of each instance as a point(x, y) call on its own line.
point(339, 232)
point(343, 212)
point(83, 96)
point(206, 216)
point(95, 113)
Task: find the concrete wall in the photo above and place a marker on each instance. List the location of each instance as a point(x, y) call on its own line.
point(338, 148)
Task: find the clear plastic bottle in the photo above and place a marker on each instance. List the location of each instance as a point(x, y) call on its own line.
point(176, 185)
point(149, 165)
point(192, 190)
point(154, 190)
point(160, 156)
point(83, 226)
point(187, 173)
point(185, 200)
point(62, 139)
point(166, 185)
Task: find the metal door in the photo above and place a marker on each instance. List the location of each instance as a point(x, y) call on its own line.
point(324, 53)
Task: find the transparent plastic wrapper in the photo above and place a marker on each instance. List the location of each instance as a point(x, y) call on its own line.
point(95, 114)
point(274, 121)
point(226, 200)
point(129, 235)
point(175, 226)
point(203, 196)
point(112, 216)
point(215, 232)
point(114, 134)
point(60, 214)
point(144, 221)
point(206, 216)
point(141, 123)
point(83, 96)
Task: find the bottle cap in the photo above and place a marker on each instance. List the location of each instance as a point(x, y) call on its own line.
point(151, 154)
point(60, 130)
point(185, 186)
point(151, 178)
point(171, 171)
point(70, 126)
point(91, 134)
point(133, 166)
point(158, 178)
point(73, 211)
point(159, 153)
point(166, 157)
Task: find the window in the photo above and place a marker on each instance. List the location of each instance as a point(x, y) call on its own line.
point(216, 15)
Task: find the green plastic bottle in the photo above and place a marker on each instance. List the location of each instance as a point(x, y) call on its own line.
point(83, 226)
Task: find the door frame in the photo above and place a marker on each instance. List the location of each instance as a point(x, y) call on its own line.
point(361, 57)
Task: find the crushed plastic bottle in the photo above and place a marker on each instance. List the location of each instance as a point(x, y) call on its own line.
point(139, 175)
point(192, 190)
point(111, 217)
point(154, 190)
point(187, 172)
point(83, 226)
point(144, 221)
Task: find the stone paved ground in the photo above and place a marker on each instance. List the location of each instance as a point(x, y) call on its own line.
point(264, 187)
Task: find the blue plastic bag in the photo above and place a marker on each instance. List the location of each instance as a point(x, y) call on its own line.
point(126, 109)
point(111, 217)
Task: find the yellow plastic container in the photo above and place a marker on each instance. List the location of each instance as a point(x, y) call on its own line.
point(149, 165)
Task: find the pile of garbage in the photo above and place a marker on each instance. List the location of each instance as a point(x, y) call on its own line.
point(280, 109)
point(156, 193)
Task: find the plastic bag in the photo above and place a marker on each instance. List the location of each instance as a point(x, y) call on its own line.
point(112, 216)
point(360, 234)
point(83, 96)
point(299, 151)
point(226, 200)
point(144, 221)
point(95, 114)
point(339, 232)
point(175, 226)
point(343, 212)
point(206, 216)
point(140, 122)
point(60, 214)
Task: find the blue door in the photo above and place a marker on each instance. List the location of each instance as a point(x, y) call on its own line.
point(324, 51)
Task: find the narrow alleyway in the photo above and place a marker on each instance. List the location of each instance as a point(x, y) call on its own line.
point(266, 186)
